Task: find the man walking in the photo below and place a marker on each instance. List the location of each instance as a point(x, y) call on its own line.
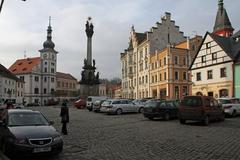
point(65, 117)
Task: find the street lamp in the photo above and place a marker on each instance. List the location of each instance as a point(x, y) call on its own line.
point(2, 5)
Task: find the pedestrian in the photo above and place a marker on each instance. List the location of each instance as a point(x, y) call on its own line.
point(65, 117)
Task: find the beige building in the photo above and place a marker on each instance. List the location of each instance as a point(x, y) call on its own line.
point(135, 59)
point(169, 70)
point(66, 86)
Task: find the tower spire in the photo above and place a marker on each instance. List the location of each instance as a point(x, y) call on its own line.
point(48, 43)
point(223, 26)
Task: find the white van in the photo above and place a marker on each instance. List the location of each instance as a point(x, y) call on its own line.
point(92, 99)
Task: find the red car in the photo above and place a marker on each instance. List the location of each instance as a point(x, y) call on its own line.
point(200, 108)
point(80, 104)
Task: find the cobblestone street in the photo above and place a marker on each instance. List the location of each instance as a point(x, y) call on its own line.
point(96, 136)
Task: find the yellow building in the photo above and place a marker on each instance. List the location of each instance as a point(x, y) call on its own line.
point(169, 70)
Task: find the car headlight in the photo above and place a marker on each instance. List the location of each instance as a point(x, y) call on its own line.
point(21, 141)
point(58, 138)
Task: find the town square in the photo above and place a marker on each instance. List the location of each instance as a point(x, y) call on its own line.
point(108, 80)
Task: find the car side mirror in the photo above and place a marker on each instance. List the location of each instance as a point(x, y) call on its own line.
point(51, 123)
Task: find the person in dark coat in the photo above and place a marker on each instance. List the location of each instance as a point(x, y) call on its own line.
point(65, 117)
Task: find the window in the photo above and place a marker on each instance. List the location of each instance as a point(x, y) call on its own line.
point(199, 76)
point(165, 61)
point(184, 75)
point(214, 56)
point(52, 79)
point(146, 79)
point(185, 90)
point(36, 78)
point(155, 78)
point(184, 61)
point(45, 79)
point(152, 79)
point(160, 77)
point(208, 45)
point(58, 84)
point(176, 75)
point(223, 72)
point(45, 69)
point(36, 91)
point(52, 70)
point(22, 78)
point(203, 59)
point(45, 63)
point(165, 76)
point(143, 79)
point(45, 91)
point(160, 63)
point(210, 74)
point(175, 60)
point(139, 80)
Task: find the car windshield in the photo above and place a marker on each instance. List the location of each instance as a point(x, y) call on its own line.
point(26, 119)
point(225, 101)
point(89, 99)
point(191, 101)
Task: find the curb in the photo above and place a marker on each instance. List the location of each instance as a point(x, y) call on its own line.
point(3, 157)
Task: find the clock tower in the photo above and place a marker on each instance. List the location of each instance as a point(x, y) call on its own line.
point(48, 67)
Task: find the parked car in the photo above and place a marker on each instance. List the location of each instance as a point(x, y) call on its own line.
point(92, 99)
point(28, 133)
point(200, 108)
point(52, 102)
point(231, 106)
point(97, 105)
point(119, 106)
point(33, 104)
point(163, 109)
point(80, 104)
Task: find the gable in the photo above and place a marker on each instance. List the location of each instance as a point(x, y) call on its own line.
point(210, 53)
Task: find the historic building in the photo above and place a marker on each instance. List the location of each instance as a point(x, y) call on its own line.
point(66, 86)
point(135, 59)
point(169, 78)
point(213, 68)
point(11, 87)
point(39, 73)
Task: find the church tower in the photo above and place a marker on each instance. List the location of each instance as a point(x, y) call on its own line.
point(223, 26)
point(48, 67)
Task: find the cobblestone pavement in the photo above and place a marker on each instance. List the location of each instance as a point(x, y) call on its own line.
point(96, 136)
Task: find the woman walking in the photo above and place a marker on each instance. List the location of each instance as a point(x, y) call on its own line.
point(65, 117)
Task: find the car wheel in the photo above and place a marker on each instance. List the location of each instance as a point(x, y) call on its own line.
point(119, 111)
point(182, 121)
point(167, 116)
point(150, 118)
point(140, 110)
point(234, 113)
point(206, 120)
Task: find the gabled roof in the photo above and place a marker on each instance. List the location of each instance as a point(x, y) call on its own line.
point(25, 65)
point(65, 76)
point(6, 73)
point(228, 44)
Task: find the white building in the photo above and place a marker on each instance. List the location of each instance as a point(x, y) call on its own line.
point(39, 73)
point(11, 87)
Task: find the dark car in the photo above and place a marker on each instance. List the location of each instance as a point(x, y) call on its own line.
point(200, 108)
point(163, 109)
point(28, 133)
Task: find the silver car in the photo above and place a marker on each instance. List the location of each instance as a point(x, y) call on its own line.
point(231, 106)
point(119, 106)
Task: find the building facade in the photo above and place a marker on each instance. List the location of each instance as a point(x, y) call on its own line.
point(66, 86)
point(135, 59)
point(39, 73)
point(213, 68)
point(11, 87)
point(169, 78)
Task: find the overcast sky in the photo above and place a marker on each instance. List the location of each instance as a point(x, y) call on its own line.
point(23, 27)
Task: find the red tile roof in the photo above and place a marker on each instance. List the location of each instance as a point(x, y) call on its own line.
point(25, 65)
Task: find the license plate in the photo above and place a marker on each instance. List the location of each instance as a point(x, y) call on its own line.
point(39, 150)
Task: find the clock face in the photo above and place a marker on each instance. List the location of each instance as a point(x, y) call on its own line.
point(45, 56)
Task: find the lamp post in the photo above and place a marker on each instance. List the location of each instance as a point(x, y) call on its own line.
point(2, 5)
